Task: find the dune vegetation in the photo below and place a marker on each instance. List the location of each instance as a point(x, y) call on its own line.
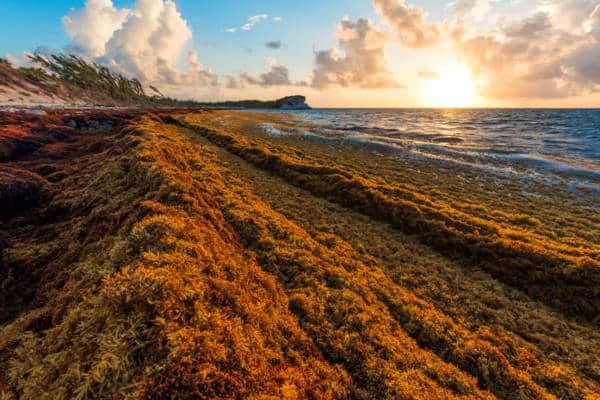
point(77, 81)
point(73, 80)
point(186, 254)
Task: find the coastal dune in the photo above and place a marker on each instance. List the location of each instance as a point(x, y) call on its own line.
point(190, 254)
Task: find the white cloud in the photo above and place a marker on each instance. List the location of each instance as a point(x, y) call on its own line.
point(150, 42)
point(361, 61)
point(554, 52)
point(471, 10)
point(277, 75)
point(18, 61)
point(537, 57)
point(409, 23)
point(251, 22)
point(92, 27)
point(147, 42)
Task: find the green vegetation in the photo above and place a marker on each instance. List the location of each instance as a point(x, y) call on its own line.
point(72, 77)
point(91, 77)
point(252, 104)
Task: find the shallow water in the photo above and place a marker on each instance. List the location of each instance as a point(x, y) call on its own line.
point(556, 144)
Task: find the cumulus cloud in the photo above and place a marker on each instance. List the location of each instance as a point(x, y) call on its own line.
point(409, 23)
point(570, 14)
point(150, 41)
point(197, 74)
point(536, 57)
point(361, 61)
point(91, 27)
point(553, 52)
point(274, 45)
point(147, 42)
point(277, 75)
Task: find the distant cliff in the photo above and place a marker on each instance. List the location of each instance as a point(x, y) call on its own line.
point(293, 103)
point(286, 103)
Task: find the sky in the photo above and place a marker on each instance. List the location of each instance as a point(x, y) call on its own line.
point(344, 53)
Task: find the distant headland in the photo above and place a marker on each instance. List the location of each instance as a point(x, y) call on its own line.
point(296, 102)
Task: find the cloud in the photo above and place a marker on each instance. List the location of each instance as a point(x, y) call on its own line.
point(17, 61)
point(251, 22)
point(197, 74)
point(471, 9)
point(554, 52)
point(409, 23)
point(91, 28)
point(232, 83)
point(274, 45)
point(569, 14)
point(24, 59)
point(277, 75)
point(539, 56)
point(361, 61)
point(147, 42)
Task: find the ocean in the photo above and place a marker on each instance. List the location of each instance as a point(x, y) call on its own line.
point(557, 146)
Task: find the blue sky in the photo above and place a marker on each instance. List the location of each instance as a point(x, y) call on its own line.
point(307, 24)
point(412, 53)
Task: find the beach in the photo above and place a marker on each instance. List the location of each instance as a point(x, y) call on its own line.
point(257, 254)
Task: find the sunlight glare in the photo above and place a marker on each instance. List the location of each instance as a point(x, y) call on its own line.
point(453, 87)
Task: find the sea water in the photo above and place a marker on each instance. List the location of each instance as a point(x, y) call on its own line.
point(553, 144)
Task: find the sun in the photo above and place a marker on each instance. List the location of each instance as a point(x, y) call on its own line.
point(452, 87)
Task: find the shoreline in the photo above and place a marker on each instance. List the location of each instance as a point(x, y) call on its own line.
point(192, 246)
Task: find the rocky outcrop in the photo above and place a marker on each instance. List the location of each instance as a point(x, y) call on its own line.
point(294, 103)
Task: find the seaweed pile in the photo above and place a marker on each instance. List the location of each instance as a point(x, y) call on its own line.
point(562, 273)
point(148, 264)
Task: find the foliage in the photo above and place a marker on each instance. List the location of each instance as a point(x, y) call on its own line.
point(91, 77)
point(250, 104)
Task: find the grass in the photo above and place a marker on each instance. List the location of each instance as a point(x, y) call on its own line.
point(73, 78)
point(193, 262)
